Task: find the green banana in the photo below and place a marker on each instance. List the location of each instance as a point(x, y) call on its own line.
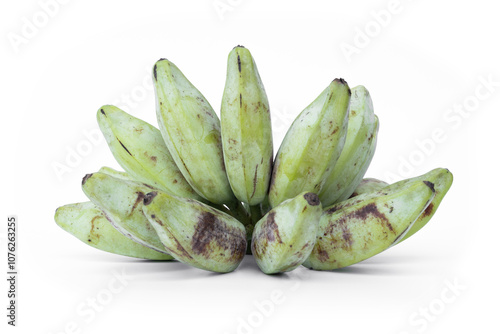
point(359, 228)
point(139, 148)
point(191, 131)
point(368, 185)
point(285, 236)
point(121, 201)
point(247, 140)
point(358, 150)
point(312, 145)
point(89, 224)
point(195, 233)
point(442, 179)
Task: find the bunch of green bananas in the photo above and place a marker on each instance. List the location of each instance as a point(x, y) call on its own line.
point(206, 192)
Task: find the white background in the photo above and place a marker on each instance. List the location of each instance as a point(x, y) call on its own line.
point(425, 59)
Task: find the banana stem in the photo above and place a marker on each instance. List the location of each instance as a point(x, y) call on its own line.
point(255, 213)
point(238, 211)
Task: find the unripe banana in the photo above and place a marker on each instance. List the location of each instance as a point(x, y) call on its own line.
point(121, 201)
point(312, 145)
point(139, 148)
point(358, 150)
point(89, 224)
point(442, 179)
point(195, 233)
point(285, 236)
point(191, 131)
point(368, 185)
point(354, 230)
point(247, 139)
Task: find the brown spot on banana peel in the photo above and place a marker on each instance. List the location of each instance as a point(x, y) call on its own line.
point(430, 185)
point(322, 254)
point(140, 197)
point(210, 229)
point(271, 230)
point(268, 233)
point(241, 101)
point(124, 147)
point(185, 167)
point(255, 181)
point(312, 199)
point(361, 214)
point(428, 210)
point(154, 71)
point(239, 64)
point(102, 112)
point(92, 232)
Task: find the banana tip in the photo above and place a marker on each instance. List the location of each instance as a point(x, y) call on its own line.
point(85, 178)
point(312, 199)
point(341, 80)
point(149, 197)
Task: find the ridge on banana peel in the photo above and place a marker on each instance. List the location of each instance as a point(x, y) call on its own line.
point(312, 145)
point(364, 167)
point(191, 131)
point(368, 185)
point(361, 227)
point(247, 140)
point(116, 173)
point(285, 236)
point(140, 150)
point(358, 150)
point(121, 201)
point(442, 179)
point(88, 223)
point(195, 233)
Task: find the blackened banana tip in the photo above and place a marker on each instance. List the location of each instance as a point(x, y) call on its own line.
point(149, 197)
point(312, 199)
point(85, 178)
